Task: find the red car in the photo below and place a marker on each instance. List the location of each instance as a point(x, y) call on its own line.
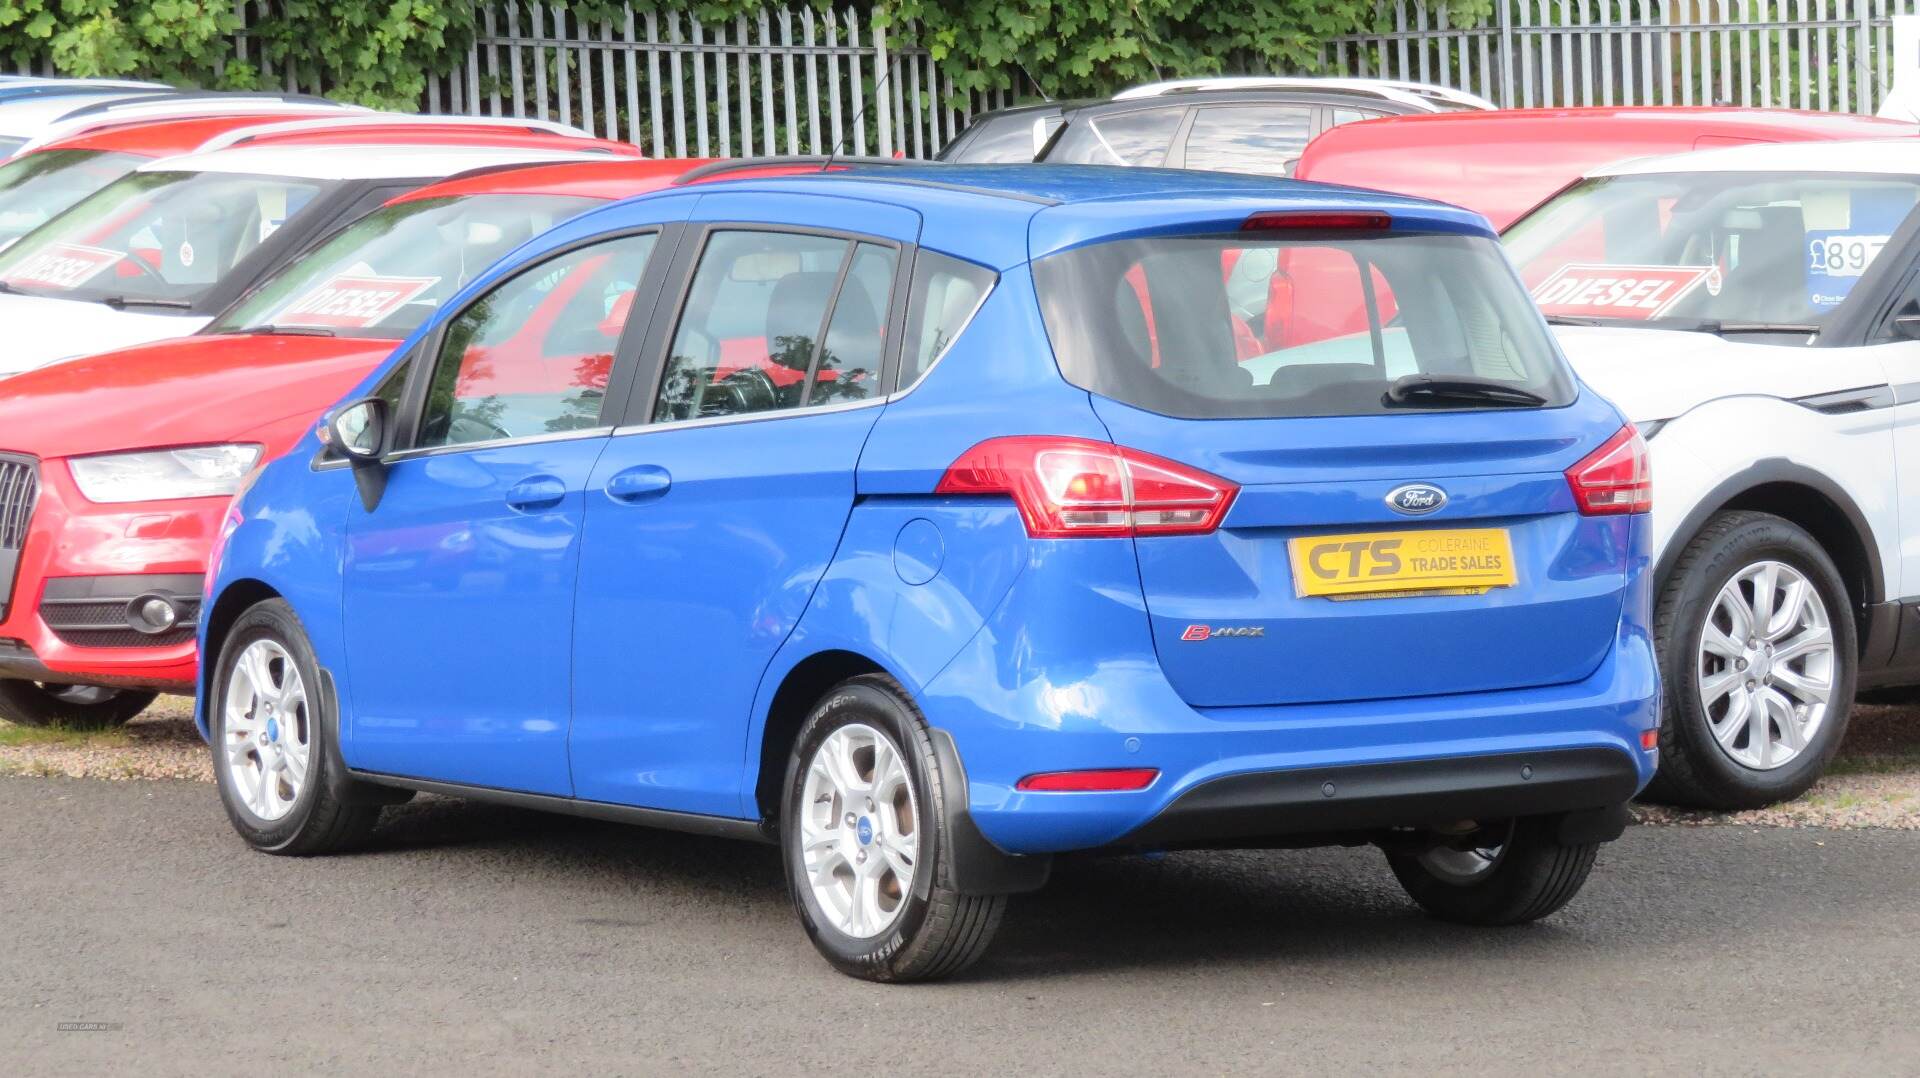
point(115, 470)
point(1502, 164)
point(49, 177)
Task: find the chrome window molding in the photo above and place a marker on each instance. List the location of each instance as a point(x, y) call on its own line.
point(750, 417)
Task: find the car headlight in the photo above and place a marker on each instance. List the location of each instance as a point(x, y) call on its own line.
point(199, 471)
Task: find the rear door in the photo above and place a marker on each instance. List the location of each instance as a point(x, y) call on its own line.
point(1316, 587)
point(715, 511)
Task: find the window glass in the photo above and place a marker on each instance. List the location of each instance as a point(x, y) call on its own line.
point(162, 238)
point(1701, 250)
point(1256, 326)
point(943, 297)
point(35, 187)
point(849, 365)
point(1347, 116)
point(997, 140)
point(750, 332)
point(1248, 138)
point(386, 273)
point(533, 356)
point(1140, 137)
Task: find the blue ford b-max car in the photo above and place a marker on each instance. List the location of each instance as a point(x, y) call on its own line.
point(933, 522)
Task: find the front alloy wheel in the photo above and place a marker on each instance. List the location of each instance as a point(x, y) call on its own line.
point(1755, 636)
point(267, 736)
point(1765, 665)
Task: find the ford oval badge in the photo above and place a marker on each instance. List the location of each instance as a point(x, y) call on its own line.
point(1416, 499)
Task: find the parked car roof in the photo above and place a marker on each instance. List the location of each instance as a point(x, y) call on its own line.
point(1430, 95)
point(1504, 163)
point(1891, 156)
point(601, 179)
point(167, 136)
point(366, 161)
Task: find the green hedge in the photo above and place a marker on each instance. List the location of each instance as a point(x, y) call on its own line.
point(381, 52)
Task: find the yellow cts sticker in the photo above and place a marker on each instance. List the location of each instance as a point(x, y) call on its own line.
point(1455, 561)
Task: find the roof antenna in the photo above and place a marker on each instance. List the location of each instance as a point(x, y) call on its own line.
point(1035, 83)
point(859, 114)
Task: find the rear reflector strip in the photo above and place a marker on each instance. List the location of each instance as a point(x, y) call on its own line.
point(1649, 739)
point(1112, 780)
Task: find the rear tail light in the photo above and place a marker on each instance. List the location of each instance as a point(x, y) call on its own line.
point(1074, 487)
point(1615, 478)
point(1306, 219)
point(1109, 780)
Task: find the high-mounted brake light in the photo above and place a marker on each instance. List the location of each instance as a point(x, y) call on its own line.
point(1109, 780)
point(1307, 219)
point(1075, 487)
point(1615, 478)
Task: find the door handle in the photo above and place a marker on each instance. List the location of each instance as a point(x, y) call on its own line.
point(638, 483)
point(536, 492)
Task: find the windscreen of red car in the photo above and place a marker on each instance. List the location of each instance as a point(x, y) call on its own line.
point(385, 274)
point(1280, 324)
point(161, 239)
point(38, 186)
point(1706, 250)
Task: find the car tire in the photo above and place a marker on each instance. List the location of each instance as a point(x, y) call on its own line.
point(863, 784)
point(1717, 751)
point(268, 732)
point(71, 707)
point(1525, 875)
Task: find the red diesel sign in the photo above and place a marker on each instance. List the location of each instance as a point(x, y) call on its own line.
point(1634, 292)
point(63, 266)
point(351, 301)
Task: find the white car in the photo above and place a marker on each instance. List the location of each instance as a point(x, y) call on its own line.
point(1756, 312)
point(160, 251)
point(29, 105)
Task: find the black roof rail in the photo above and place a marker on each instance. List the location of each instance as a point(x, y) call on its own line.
point(195, 95)
point(742, 164)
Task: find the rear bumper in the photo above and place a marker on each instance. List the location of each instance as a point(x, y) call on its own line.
point(1277, 805)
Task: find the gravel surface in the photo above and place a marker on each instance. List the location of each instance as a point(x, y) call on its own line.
point(478, 940)
point(1874, 782)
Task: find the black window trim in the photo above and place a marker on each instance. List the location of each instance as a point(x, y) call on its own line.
point(413, 398)
point(637, 415)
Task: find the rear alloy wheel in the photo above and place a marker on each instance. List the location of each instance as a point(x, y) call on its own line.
point(864, 841)
point(269, 742)
point(72, 707)
point(1504, 874)
point(1757, 647)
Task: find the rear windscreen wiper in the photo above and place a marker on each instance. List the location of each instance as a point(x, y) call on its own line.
point(1441, 388)
point(1759, 327)
point(271, 330)
point(121, 303)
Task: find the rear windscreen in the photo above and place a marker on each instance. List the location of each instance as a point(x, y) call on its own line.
point(1266, 324)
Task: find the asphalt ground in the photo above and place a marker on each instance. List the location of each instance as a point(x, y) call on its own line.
point(475, 939)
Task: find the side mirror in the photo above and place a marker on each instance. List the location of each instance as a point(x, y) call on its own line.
point(358, 431)
point(1907, 326)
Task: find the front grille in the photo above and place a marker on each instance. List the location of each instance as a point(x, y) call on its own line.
point(19, 488)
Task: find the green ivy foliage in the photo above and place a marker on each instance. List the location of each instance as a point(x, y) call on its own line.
point(381, 52)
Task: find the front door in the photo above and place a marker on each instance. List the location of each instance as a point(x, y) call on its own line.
point(459, 583)
point(710, 521)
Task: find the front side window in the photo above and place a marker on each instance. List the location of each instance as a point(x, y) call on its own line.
point(777, 320)
point(1139, 138)
point(155, 238)
point(385, 275)
point(36, 187)
point(1257, 325)
point(1265, 139)
point(533, 356)
point(1712, 251)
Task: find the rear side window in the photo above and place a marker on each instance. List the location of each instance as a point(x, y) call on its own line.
point(944, 295)
point(1279, 324)
point(1137, 138)
point(1249, 138)
point(997, 140)
point(777, 320)
point(533, 356)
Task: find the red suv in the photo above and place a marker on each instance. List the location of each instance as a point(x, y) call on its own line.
point(1502, 164)
point(115, 469)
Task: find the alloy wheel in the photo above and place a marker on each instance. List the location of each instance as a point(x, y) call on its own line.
point(267, 732)
point(1766, 665)
point(859, 830)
